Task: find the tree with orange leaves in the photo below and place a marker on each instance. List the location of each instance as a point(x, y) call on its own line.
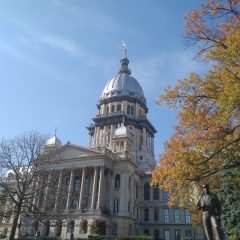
point(206, 141)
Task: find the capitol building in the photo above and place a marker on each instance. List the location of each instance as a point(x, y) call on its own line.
point(109, 180)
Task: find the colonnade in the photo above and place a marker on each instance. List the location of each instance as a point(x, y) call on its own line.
point(96, 201)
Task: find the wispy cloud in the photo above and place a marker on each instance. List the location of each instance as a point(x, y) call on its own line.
point(92, 17)
point(66, 45)
point(156, 72)
point(21, 56)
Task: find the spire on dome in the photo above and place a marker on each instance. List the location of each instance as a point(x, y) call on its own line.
point(124, 49)
point(124, 62)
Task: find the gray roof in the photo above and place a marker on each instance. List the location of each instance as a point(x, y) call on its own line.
point(123, 84)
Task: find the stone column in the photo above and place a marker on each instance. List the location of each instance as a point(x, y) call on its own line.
point(39, 191)
point(132, 196)
point(36, 190)
point(70, 188)
point(100, 187)
point(95, 136)
point(144, 138)
point(125, 146)
point(89, 140)
point(111, 137)
point(109, 189)
point(58, 190)
point(98, 136)
point(94, 187)
point(123, 194)
point(82, 188)
point(47, 188)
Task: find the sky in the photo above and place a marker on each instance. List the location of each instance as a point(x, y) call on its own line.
point(56, 57)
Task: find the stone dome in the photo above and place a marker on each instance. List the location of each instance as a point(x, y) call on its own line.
point(53, 142)
point(123, 84)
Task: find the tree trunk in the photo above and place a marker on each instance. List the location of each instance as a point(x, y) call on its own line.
point(15, 223)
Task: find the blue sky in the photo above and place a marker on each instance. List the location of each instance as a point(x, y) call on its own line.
point(56, 57)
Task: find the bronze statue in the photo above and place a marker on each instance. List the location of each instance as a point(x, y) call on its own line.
point(211, 208)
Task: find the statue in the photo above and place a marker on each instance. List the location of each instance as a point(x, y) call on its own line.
point(211, 212)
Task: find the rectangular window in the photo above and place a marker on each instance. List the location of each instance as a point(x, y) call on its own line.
point(177, 235)
point(115, 206)
point(166, 234)
point(166, 215)
point(114, 229)
point(146, 215)
point(165, 196)
point(156, 214)
point(187, 216)
point(156, 193)
point(176, 215)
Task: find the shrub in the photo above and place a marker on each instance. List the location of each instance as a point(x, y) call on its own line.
point(98, 227)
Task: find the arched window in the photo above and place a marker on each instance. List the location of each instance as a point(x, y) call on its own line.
point(113, 108)
point(74, 204)
point(156, 193)
point(117, 182)
point(132, 110)
point(119, 108)
point(114, 229)
point(77, 184)
point(146, 191)
point(46, 228)
point(58, 228)
point(70, 226)
point(85, 226)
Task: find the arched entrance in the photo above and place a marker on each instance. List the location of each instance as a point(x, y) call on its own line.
point(46, 228)
point(85, 227)
point(35, 226)
point(58, 228)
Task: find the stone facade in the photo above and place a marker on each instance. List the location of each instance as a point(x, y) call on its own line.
point(110, 179)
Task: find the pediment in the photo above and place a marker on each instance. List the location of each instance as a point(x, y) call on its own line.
point(71, 151)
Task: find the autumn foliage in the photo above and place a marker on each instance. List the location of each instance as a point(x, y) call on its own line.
point(206, 141)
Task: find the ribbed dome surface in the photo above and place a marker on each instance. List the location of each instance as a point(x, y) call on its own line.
point(123, 84)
